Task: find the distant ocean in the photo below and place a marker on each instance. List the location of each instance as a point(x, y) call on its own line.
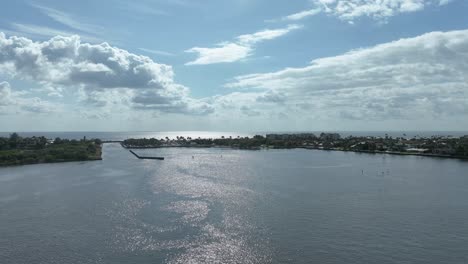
point(219, 134)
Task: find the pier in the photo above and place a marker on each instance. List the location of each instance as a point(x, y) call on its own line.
point(141, 157)
point(131, 151)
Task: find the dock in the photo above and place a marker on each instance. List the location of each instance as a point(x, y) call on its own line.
point(141, 157)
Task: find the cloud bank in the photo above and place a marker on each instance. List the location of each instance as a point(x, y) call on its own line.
point(12, 102)
point(96, 69)
point(421, 77)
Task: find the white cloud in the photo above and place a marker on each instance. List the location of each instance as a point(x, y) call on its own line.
point(350, 10)
point(5, 94)
point(12, 102)
point(419, 79)
point(416, 78)
point(267, 34)
point(157, 52)
point(240, 49)
point(302, 14)
point(65, 62)
point(37, 105)
point(224, 52)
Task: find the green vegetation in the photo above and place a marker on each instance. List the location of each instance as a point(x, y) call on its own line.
point(256, 142)
point(17, 150)
point(456, 147)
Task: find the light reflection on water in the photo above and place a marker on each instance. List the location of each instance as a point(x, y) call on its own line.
point(233, 206)
point(208, 181)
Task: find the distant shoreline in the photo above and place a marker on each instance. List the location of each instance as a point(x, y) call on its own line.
point(307, 148)
point(403, 154)
point(122, 135)
point(17, 150)
point(436, 146)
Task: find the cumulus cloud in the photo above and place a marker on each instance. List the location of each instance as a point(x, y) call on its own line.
point(67, 61)
point(424, 76)
point(175, 100)
point(418, 78)
point(94, 68)
point(271, 97)
point(5, 94)
point(15, 102)
point(37, 105)
point(239, 49)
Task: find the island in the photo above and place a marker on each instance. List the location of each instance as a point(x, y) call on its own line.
point(17, 150)
point(434, 146)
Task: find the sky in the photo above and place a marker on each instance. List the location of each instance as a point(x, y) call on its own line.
point(237, 65)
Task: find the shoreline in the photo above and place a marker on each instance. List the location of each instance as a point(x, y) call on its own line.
point(19, 151)
point(48, 162)
point(308, 148)
point(399, 153)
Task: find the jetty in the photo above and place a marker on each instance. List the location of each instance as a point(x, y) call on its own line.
point(111, 141)
point(142, 157)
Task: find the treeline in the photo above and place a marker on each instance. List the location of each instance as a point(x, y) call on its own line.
point(236, 142)
point(17, 150)
point(143, 142)
point(250, 143)
point(17, 142)
point(443, 146)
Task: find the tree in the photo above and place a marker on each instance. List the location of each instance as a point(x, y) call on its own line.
point(91, 148)
point(14, 140)
point(4, 144)
point(14, 136)
point(42, 142)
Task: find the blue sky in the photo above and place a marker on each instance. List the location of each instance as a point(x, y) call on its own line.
point(239, 65)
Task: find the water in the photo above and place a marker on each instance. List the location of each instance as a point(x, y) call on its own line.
point(235, 206)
